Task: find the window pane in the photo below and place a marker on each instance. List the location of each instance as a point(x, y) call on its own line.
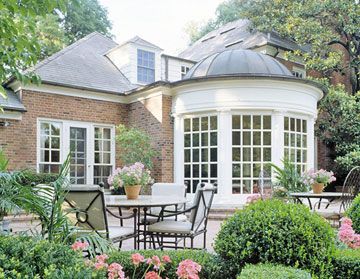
point(257, 154)
point(213, 138)
point(55, 142)
point(236, 170)
point(246, 154)
point(256, 122)
point(204, 155)
point(55, 156)
point(267, 138)
point(236, 122)
point(195, 170)
point(236, 138)
point(195, 124)
point(195, 138)
point(204, 139)
point(267, 155)
point(246, 138)
point(195, 157)
point(44, 142)
point(55, 129)
point(187, 155)
point(204, 123)
point(236, 154)
point(246, 122)
point(187, 125)
point(213, 122)
point(187, 171)
point(45, 128)
point(213, 154)
point(256, 138)
point(267, 122)
point(187, 140)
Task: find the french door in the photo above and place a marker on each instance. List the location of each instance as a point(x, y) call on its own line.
point(91, 148)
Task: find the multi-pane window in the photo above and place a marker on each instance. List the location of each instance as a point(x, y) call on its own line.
point(102, 152)
point(251, 151)
point(295, 142)
point(299, 73)
point(78, 155)
point(145, 66)
point(184, 71)
point(50, 143)
point(200, 151)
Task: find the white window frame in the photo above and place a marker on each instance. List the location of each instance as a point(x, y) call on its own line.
point(145, 67)
point(251, 146)
point(65, 142)
point(184, 71)
point(208, 147)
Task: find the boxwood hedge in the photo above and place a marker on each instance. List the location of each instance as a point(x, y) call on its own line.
point(272, 231)
point(346, 264)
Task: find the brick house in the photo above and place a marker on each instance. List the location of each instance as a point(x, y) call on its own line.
point(220, 111)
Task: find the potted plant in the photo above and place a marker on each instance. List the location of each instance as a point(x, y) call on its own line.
point(318, 179)
point(131, 178)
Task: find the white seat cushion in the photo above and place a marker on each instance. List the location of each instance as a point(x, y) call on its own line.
point(117, 232)
point(152, 220)
point(171, 227)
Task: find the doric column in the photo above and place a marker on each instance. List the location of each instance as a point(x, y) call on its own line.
point(277, 139)
point(224, 152)
point(178, 148)
point(311, 143)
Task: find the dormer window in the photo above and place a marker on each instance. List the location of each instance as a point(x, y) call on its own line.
point(145, 66)
point(184, 71)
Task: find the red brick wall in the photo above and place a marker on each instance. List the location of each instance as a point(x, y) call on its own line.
point(152, 115)
point(19, 139)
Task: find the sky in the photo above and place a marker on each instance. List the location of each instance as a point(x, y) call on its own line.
point(161, 22)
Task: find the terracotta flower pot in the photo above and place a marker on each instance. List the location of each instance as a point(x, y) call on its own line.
point(132, 192)
point(318, 188)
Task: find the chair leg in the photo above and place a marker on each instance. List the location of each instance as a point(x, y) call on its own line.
point(204, 240)
point(153, 241)
point(192, 242)
point(120, 244)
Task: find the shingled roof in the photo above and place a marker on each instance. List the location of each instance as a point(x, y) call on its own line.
point(234, 35)
point(12, 102)
point(84, 65)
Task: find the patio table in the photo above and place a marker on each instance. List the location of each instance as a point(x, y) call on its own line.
point(143, 202)
point(331, 196)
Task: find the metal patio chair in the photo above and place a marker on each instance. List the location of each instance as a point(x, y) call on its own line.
point(85, 206)
point(170, 190)
point(179, 230)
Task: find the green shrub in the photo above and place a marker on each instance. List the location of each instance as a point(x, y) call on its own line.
point(212, 266)
point(269, 271)
point(354, 214)
point(23, 257)
point(30, 176)
point(272, 231)
point(346, 264)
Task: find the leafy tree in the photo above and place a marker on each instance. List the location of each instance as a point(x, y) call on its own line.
point(339, 127)
point(19, 45)
point(331, 27)
point(135, 146)
point(83, 17)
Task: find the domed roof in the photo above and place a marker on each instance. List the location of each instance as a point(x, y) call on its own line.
point(238, 62)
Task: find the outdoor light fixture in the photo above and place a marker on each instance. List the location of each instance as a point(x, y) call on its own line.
point(4, 124)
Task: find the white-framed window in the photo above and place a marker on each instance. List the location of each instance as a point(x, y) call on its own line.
point(184, 71)
point(145, 66)
point(102, 164)
point(200, 150)
point(298, 72)
point(295, 142)
point(50, 146)
point(251, 151)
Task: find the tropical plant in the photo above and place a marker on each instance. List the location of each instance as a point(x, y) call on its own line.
point(288, 177)
point(4, 161)
point(135, 146)
point(276, 232)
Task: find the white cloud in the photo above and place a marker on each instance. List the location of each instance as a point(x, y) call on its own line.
point(162, 22)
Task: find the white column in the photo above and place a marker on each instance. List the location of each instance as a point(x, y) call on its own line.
point(311, 143)
point(178, 148)
point(224, 152)
point(277, 139)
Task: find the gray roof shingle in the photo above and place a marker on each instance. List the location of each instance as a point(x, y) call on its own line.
point(12, 102)
point(84, 65)
point(234, 35)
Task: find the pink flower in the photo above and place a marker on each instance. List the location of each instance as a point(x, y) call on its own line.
point(148, 261)
point(115, 270)
point(156, 262)
point(346, 221)
point(78, 245)
point(152, 275)
point(188, 269)
point(166, 259)
point(347, 235)
point(137, 258)
point(253, 198)
point(100, 265)
point(102, 258)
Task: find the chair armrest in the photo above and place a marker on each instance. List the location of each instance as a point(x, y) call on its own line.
point(174, 213)
point(121, 217)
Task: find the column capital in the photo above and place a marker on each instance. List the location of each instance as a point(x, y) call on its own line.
point(176, 115)
point(279, 111)
point(224, 110)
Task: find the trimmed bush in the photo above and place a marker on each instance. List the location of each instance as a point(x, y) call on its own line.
point(23, 257)
point(212, 266)
point(30, 176)
point(346, 264)
point(354, 214)
point(275, 232)
point(269, 271)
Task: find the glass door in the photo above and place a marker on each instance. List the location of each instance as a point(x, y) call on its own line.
point(78, 149)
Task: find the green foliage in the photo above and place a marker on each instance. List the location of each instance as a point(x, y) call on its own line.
point(135, 146)
point(276, 232)
point(288, 177)
point(269, 271)
point(29, 177)
point(19, 45)
point(321, 24)
point(24, 257)
point(83, 17)
point(4, 161)
point(346, 264)
point(354, 214)
point(339, 127)
point(212, 266)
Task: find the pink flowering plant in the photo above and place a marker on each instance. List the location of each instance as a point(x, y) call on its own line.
point(132, 175)
point(347, 235)
point(320, 176)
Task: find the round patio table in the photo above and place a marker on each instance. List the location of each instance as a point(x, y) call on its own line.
point(331, 196)
point(143, 202)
